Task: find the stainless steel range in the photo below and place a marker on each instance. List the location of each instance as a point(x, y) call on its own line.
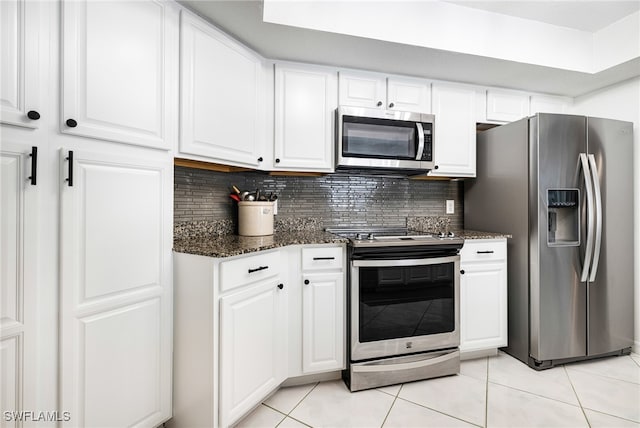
point(404, 306)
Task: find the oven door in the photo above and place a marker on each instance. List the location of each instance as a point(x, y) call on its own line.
point(404, 306)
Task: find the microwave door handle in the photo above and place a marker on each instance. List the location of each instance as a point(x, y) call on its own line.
point(420, 141)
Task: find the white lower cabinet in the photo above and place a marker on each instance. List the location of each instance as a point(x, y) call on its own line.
point(115, 288)
point(237, 341)
point(483, 295)
point(253, 335)
point(323, 310)
point(18, 277)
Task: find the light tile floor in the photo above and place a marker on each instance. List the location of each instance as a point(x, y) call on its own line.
point(497, 391)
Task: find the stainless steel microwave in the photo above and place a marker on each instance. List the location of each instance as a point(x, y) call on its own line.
point(384, 140)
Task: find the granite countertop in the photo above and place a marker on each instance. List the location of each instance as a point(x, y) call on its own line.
point(234, 245)
point(217, 238)
point(474, 234)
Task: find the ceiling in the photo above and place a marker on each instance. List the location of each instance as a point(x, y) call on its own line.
point(243, 20)
point(580, 15)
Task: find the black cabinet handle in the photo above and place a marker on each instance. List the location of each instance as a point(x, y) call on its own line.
point(306, 281)
point(258, 269)
point(33, 115)
point(34, 165)
point(324, 258)
point(280, 286)
point(485, 252)
point(391, 105)
point(462, 272)
point(379, 103)
point(70, 159)
point(260, 159)
point(277, 160)
point(435, 167)
point(71, 123)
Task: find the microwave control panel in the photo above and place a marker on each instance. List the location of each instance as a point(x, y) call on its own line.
point(427, 153)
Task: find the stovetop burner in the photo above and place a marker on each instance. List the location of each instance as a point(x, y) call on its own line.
point(396, 236)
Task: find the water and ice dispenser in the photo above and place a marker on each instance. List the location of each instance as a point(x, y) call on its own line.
point(563, 217)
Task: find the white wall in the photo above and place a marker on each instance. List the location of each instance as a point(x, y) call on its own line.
point(622, 101)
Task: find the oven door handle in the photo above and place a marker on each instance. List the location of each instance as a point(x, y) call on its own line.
point(405, 366)
point(404, 262)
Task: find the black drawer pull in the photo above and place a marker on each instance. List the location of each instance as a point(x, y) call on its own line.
point(34, 165)
point(258, 269)
point(485, 252)
point(70, 159)
point(306, 281)
point(280, 286)
point(324, 258)
point(462, 272)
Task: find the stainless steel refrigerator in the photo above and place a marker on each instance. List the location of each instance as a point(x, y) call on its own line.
point(562, 185)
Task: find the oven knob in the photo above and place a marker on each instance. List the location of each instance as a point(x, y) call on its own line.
point(359, 236)
point(370, 237)
point(451, 234)
point(441, 235)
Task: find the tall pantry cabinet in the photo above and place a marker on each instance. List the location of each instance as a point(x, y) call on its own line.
point(86, 280)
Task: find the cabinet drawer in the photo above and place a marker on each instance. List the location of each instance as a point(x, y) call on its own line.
point(322, 258)
point(480, 250)
point(248, 269)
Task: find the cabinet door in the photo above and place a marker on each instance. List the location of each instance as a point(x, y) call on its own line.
point(219, 95)
point(362, 90)
point(305, 104)
point(20, 32)
point(252, 348)
point(18, 269)
point(455, 131)
point(506, 106)
point(323, 324)
point(119, 71)
point(483, 306)
point(409, 95)
point(548, 104)
point(115, 289)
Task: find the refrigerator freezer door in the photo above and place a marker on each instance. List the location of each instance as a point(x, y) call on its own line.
point(558, 299)
point(610, 296)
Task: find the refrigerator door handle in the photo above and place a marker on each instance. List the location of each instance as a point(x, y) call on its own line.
point(598, 212)
point(588, 254)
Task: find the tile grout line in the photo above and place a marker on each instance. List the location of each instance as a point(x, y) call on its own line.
point(438, 411)
point(297, 404)
point(534, 393)
point(566, 372)
point(395, 398)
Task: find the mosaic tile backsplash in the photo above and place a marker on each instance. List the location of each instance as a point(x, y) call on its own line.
point(337, 200)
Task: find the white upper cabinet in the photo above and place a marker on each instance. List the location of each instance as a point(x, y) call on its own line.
point(454, 132)
point(362, 90)
point(405, 94)
point(506, 106)
point(20, 32)
point(119, 71)
point(373, 90)
point(305, 102)
point(549, 104)
point(220, 99)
